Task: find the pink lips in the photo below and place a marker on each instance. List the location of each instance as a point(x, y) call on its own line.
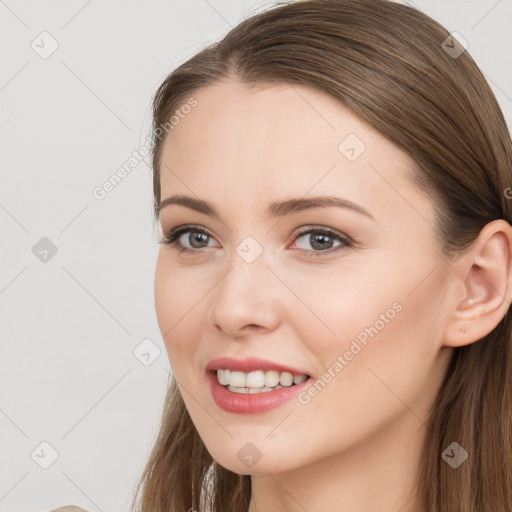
point(250, 403)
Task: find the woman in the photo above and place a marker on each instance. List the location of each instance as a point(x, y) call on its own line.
point(334, 279)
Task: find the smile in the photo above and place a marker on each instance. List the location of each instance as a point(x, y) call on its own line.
point(258, 381)
point(252, 400)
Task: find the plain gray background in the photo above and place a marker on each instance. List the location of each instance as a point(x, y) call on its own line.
point(74, 375)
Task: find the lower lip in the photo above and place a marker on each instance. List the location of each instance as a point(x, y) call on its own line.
point(251, 403)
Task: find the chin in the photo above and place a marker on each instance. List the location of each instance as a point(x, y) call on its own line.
point(245, 458)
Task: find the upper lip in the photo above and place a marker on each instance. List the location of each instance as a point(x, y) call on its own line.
point(249, 365)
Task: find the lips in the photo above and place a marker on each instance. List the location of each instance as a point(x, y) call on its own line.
point(250, 364)
point(246, 403)
point(251, 403)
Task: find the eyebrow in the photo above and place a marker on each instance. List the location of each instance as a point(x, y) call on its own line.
point(276, 209)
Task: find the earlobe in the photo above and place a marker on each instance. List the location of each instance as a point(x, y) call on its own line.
point(485, 274)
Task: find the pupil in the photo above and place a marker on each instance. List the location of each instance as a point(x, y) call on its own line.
point(321, 245)
point(193, 239)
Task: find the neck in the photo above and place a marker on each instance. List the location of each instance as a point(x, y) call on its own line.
point(379, 475)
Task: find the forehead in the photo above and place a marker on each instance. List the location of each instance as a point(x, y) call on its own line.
point(279, 141)
point(265, 116)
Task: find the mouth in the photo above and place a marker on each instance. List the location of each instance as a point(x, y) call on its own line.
point(254, 385)
point(258, 381)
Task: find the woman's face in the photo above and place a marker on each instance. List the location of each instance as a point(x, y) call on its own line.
point(358, 309)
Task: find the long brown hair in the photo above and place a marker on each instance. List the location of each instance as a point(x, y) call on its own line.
point(394, 68)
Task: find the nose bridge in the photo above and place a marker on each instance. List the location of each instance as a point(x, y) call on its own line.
point(248, 270)
point(244, 294)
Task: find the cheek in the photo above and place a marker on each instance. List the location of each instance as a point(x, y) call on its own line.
point(382, 319)
point(339, 304)
point(387, 344)
point(381, 366)
point(179, 310)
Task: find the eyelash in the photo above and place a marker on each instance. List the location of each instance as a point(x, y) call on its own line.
point(173, 239)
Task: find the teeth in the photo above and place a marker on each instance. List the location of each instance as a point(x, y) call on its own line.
point(237, 379)
point(297, 379)
point(251, 391)
point(271, 378)
point(254, 379)
point(286, 379)
point(223, 376)
point(257, 381)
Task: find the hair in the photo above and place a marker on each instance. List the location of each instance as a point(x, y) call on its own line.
point(387, 63)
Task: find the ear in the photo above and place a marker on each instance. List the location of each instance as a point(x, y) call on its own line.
point(484, 284)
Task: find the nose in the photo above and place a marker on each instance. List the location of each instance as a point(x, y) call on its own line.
point(245, 300)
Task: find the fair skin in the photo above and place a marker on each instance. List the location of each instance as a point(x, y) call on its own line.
point(356, 445)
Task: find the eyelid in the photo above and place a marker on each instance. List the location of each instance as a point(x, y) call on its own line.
point(311, 228)
point(174, 234)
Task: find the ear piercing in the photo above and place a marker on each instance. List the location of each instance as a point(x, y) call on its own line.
point(462, 330)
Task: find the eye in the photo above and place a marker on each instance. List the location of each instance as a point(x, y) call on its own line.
point(174, 238)
point(319, 238)
point(322, 239)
